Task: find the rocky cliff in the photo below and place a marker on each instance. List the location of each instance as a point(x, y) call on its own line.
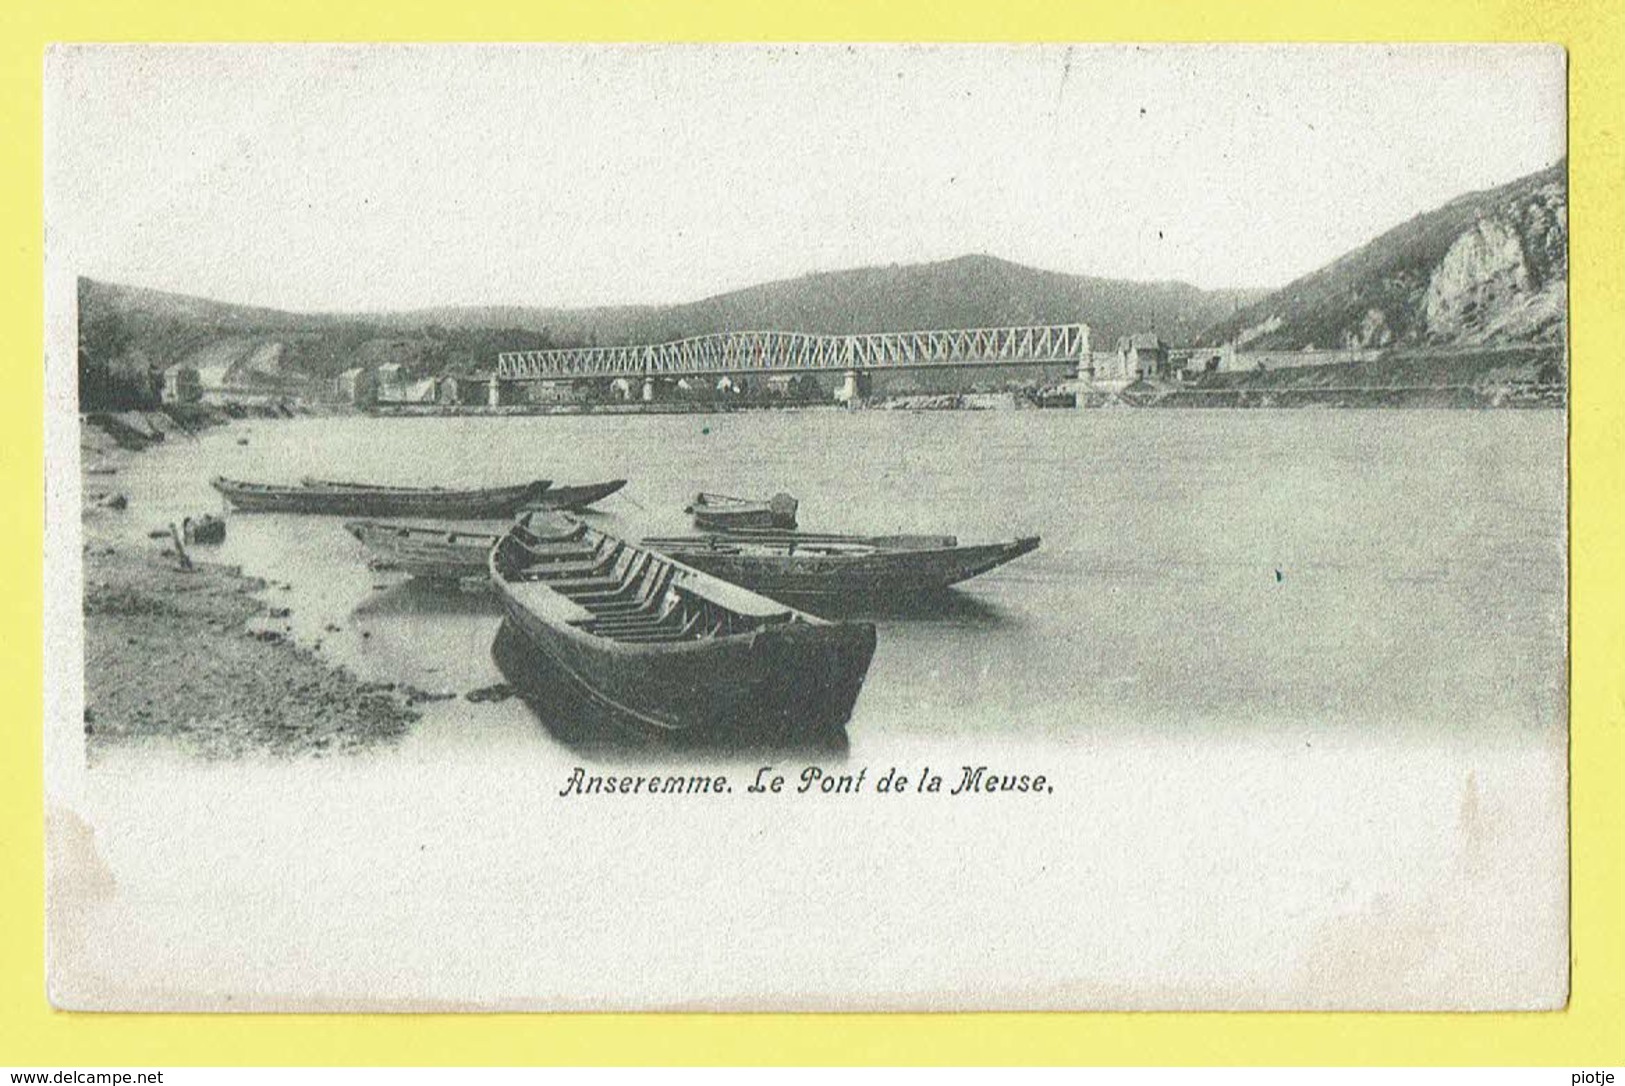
point(1487, 268)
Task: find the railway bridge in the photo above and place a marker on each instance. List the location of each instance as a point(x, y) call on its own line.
point(731, 353)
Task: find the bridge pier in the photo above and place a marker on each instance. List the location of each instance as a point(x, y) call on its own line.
point(493, 393)
point(854, 388)
point(648, 389)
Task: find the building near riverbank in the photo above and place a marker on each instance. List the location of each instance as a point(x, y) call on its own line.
point(181, 384)
point(1142, 355)
point(547, 392)
point(1253, 361)
point(358, 386)
point(424, 391)
point(394, 385)
point(250, 376)
point(450, 389)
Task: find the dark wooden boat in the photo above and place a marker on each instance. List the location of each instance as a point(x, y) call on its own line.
point(810, 567)
point(573, 499)
point(369, 501)
point(675, 651)
point(719, 512)
point(433, 552)
point(567, 498)
point(204, 529)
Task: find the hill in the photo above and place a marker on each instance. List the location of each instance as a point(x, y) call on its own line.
point(127, 332)
point(967, 292)
point(1487, 268)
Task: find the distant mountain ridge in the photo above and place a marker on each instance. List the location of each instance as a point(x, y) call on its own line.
point(1486, 268)
point(971, 291)
point(966, 292)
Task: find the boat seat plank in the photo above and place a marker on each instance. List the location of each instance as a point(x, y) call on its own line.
point(633, 621)
point(586, 576)
point(637, 591)
point(620, 573)
point(559, 554)
point(568, 586)
point(618, 610)
point(632, 609)
point(566, 571)
point(740, 601)
point(536, 529)
point(548, 604)
point(541, 545)
point(609, 590)
point(654, 639)
point(632, 631)
point(642, 594)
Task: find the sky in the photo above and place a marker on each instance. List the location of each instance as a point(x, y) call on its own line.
point(352, 177)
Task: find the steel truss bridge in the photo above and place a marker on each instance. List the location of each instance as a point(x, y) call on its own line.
point(800, 352)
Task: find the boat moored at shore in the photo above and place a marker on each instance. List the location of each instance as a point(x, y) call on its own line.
point(720, 512)
point(432, 552)
point(672, 650)
point(811, 567)
point(574, 499)
point(570, 499)
point(374, 501)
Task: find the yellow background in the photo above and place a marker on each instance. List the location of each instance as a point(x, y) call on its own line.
point(1590, 1032)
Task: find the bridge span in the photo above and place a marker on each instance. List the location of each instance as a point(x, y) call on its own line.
point(802, 352)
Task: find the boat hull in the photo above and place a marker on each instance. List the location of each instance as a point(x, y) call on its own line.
point(776, 677)
point(741, 521)
point(492, 502)
point(572, 499)
point(774, 686)
point(555, 498)
point(812, 577)
point(720, 513)
point(427, 552)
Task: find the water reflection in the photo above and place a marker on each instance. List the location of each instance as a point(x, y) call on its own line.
point(944, 606)
point(414, 596)
point(591, 729)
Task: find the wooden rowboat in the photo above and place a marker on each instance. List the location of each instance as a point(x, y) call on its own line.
point(431, 552)
point(368, 501)
point(573, 499)
point(810, 567)
point(719, 512)
point(675, 651)
point(204, 529)
point(567, 498)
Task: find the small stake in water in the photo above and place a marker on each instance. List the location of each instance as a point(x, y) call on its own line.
point(180, 548)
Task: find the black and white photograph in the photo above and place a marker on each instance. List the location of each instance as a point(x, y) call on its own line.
point(806, 527)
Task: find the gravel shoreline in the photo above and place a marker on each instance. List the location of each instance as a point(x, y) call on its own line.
point(193, 659)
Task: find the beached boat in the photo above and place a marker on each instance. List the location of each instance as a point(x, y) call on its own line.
point(719, 512)
point(433, 552)
point(566, 498)
point(810, 567)
point(673, 650)
point(366, 501)
point(204, 529)
point(573, 499)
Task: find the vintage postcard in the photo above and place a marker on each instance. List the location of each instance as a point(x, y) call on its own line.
point(807, 527)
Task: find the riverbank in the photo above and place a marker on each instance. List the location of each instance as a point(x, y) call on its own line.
point(636, 407)
point(200, 657)
point(1513, 378)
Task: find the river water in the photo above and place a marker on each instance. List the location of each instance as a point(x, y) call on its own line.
point(1198, 569)
point(1298, 675)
